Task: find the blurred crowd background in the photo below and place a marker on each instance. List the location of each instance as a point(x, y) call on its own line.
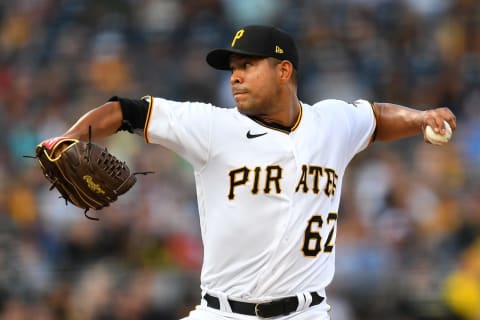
point(408, 245)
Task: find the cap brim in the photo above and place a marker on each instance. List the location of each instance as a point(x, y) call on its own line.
point(220, 58)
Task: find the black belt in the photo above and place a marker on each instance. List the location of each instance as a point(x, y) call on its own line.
point(269, 309)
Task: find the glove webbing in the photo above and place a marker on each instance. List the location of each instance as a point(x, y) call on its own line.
point(114, 162)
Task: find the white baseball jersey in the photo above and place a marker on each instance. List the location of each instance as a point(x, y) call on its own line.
point(268, 198)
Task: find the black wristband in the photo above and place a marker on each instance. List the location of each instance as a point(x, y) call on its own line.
point(134, 113)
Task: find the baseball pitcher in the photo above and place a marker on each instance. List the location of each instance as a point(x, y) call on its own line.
point(268, 174)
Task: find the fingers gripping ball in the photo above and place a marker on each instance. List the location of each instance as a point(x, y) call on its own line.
point(437, 138)
point(85, 174)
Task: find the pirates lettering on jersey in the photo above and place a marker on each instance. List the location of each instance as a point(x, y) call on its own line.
point(310, 179)
point(240, 177)
point(316, 172)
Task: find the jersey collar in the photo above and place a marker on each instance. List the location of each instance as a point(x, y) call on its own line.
point(279, 127)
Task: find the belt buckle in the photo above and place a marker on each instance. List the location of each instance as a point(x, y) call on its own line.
point(258, 311)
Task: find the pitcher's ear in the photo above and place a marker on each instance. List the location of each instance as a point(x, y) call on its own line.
point(286, 70)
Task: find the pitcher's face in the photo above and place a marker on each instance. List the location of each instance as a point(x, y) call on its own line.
point(254, 82)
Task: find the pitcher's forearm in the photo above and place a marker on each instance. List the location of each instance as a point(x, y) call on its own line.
point(395, 122)
point(103, 120)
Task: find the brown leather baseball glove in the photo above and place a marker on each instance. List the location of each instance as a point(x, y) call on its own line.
point(85, 174)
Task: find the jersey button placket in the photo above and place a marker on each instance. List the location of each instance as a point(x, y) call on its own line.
point(291, 145)
point(285, 144)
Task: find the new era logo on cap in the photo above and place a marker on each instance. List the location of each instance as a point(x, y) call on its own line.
point(256, 40)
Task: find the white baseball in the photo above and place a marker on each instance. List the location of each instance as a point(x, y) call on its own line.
point(437, 138)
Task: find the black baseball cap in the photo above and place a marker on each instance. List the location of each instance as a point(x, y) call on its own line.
point(259, 41)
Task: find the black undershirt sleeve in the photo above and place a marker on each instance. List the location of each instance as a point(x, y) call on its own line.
point(134, 112)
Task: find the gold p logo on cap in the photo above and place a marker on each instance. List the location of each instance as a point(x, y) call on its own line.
point(237, 36)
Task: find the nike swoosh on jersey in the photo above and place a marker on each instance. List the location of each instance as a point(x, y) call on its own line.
point(255, 135)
